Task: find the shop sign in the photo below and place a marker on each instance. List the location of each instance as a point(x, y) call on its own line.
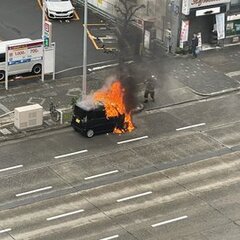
point(235, 39)
point(184, 32)
point(233, 17)
point(202, 3)
point(207, 11)
point(188, 4)
point(147, 39)
point(199, 36)
point(186, 7)
point(220, 24)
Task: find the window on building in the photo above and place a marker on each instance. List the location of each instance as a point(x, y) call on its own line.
point(235, 2)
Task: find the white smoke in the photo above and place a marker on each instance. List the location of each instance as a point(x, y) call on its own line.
point(88, 103)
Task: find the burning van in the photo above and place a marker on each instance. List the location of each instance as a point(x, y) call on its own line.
point(94, 121)
point(103, 112)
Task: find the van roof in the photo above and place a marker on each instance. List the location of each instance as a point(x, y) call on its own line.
point(3, 44)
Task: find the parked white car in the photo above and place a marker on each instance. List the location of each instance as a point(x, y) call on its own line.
point(59, 9)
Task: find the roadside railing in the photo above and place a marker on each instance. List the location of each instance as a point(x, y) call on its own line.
point(6, 119)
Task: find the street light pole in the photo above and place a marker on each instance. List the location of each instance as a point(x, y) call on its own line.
point(43, 30)
point(84, 80)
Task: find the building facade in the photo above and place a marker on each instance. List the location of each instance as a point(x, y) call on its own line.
point(173, 22)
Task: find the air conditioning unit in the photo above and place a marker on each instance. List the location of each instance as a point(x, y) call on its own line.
point(28, 116)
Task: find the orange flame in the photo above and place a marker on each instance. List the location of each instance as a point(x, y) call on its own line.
point(113, 100)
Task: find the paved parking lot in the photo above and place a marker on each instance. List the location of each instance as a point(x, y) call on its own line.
point(103, 37)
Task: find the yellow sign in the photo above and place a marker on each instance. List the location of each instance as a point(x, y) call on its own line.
point(100, 1)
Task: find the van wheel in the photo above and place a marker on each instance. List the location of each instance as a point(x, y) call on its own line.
point(90, 133)
point(2, 75)
point(37, 69)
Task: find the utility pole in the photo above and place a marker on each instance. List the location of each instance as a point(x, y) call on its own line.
point(43, 30)
point(84, 80)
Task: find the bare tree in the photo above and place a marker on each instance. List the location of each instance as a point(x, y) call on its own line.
point(126, 10)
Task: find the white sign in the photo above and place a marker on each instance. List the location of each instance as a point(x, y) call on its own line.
point(188, 4)
point(184, 32)
point(220, 25)
point(186, 7)
point(207, 11)
point(203, 3)
point(47, 33)
point(199, 36)
point(25, 52)
point(146, 39)
point(233, 17)
point(49, 59)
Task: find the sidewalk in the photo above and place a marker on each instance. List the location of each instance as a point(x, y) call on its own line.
point(181, 79)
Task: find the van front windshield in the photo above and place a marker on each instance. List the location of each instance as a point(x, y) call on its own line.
point(79, 112)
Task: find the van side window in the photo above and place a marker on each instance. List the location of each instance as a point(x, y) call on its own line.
point(91, 115)
point(2, 57)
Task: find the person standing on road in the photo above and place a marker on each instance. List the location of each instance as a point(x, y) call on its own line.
point(194, 45)
point(150, 88)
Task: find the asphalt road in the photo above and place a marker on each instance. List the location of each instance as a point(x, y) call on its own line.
point(198, 201)
point(20, 19)
point(60, 185)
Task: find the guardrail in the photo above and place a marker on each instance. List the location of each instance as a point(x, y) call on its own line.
point(5, 114)
point(6, 119)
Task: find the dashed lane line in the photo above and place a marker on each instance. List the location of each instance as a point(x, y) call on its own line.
point(134, 196)
point(132, 140)
point(169, 221)
point(64, 215)
point(101, 174)
point(34, 191)
point(233, 74)
point(10, 168)
point(111, 237)
point(5, 230)
point(191, 126)
point(70, 154)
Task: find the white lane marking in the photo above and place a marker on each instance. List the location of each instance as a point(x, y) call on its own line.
point(111, 237)
point(101, 174)
point(33, 191)
point(5, 230)
point(102, 67)
point(169, 221)
point(106, 66)
point(64, 215)
point(70, 154)
point(132, 140)
point(233, 74)
point(134, 196)
point(88, 65)
point(10, 168)
point(191, 126)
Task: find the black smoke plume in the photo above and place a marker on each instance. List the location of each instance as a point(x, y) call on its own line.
point(129, 79)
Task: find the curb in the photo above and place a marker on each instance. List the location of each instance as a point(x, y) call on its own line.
point(32, 132)
point(214, 94)
point(210, 95)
